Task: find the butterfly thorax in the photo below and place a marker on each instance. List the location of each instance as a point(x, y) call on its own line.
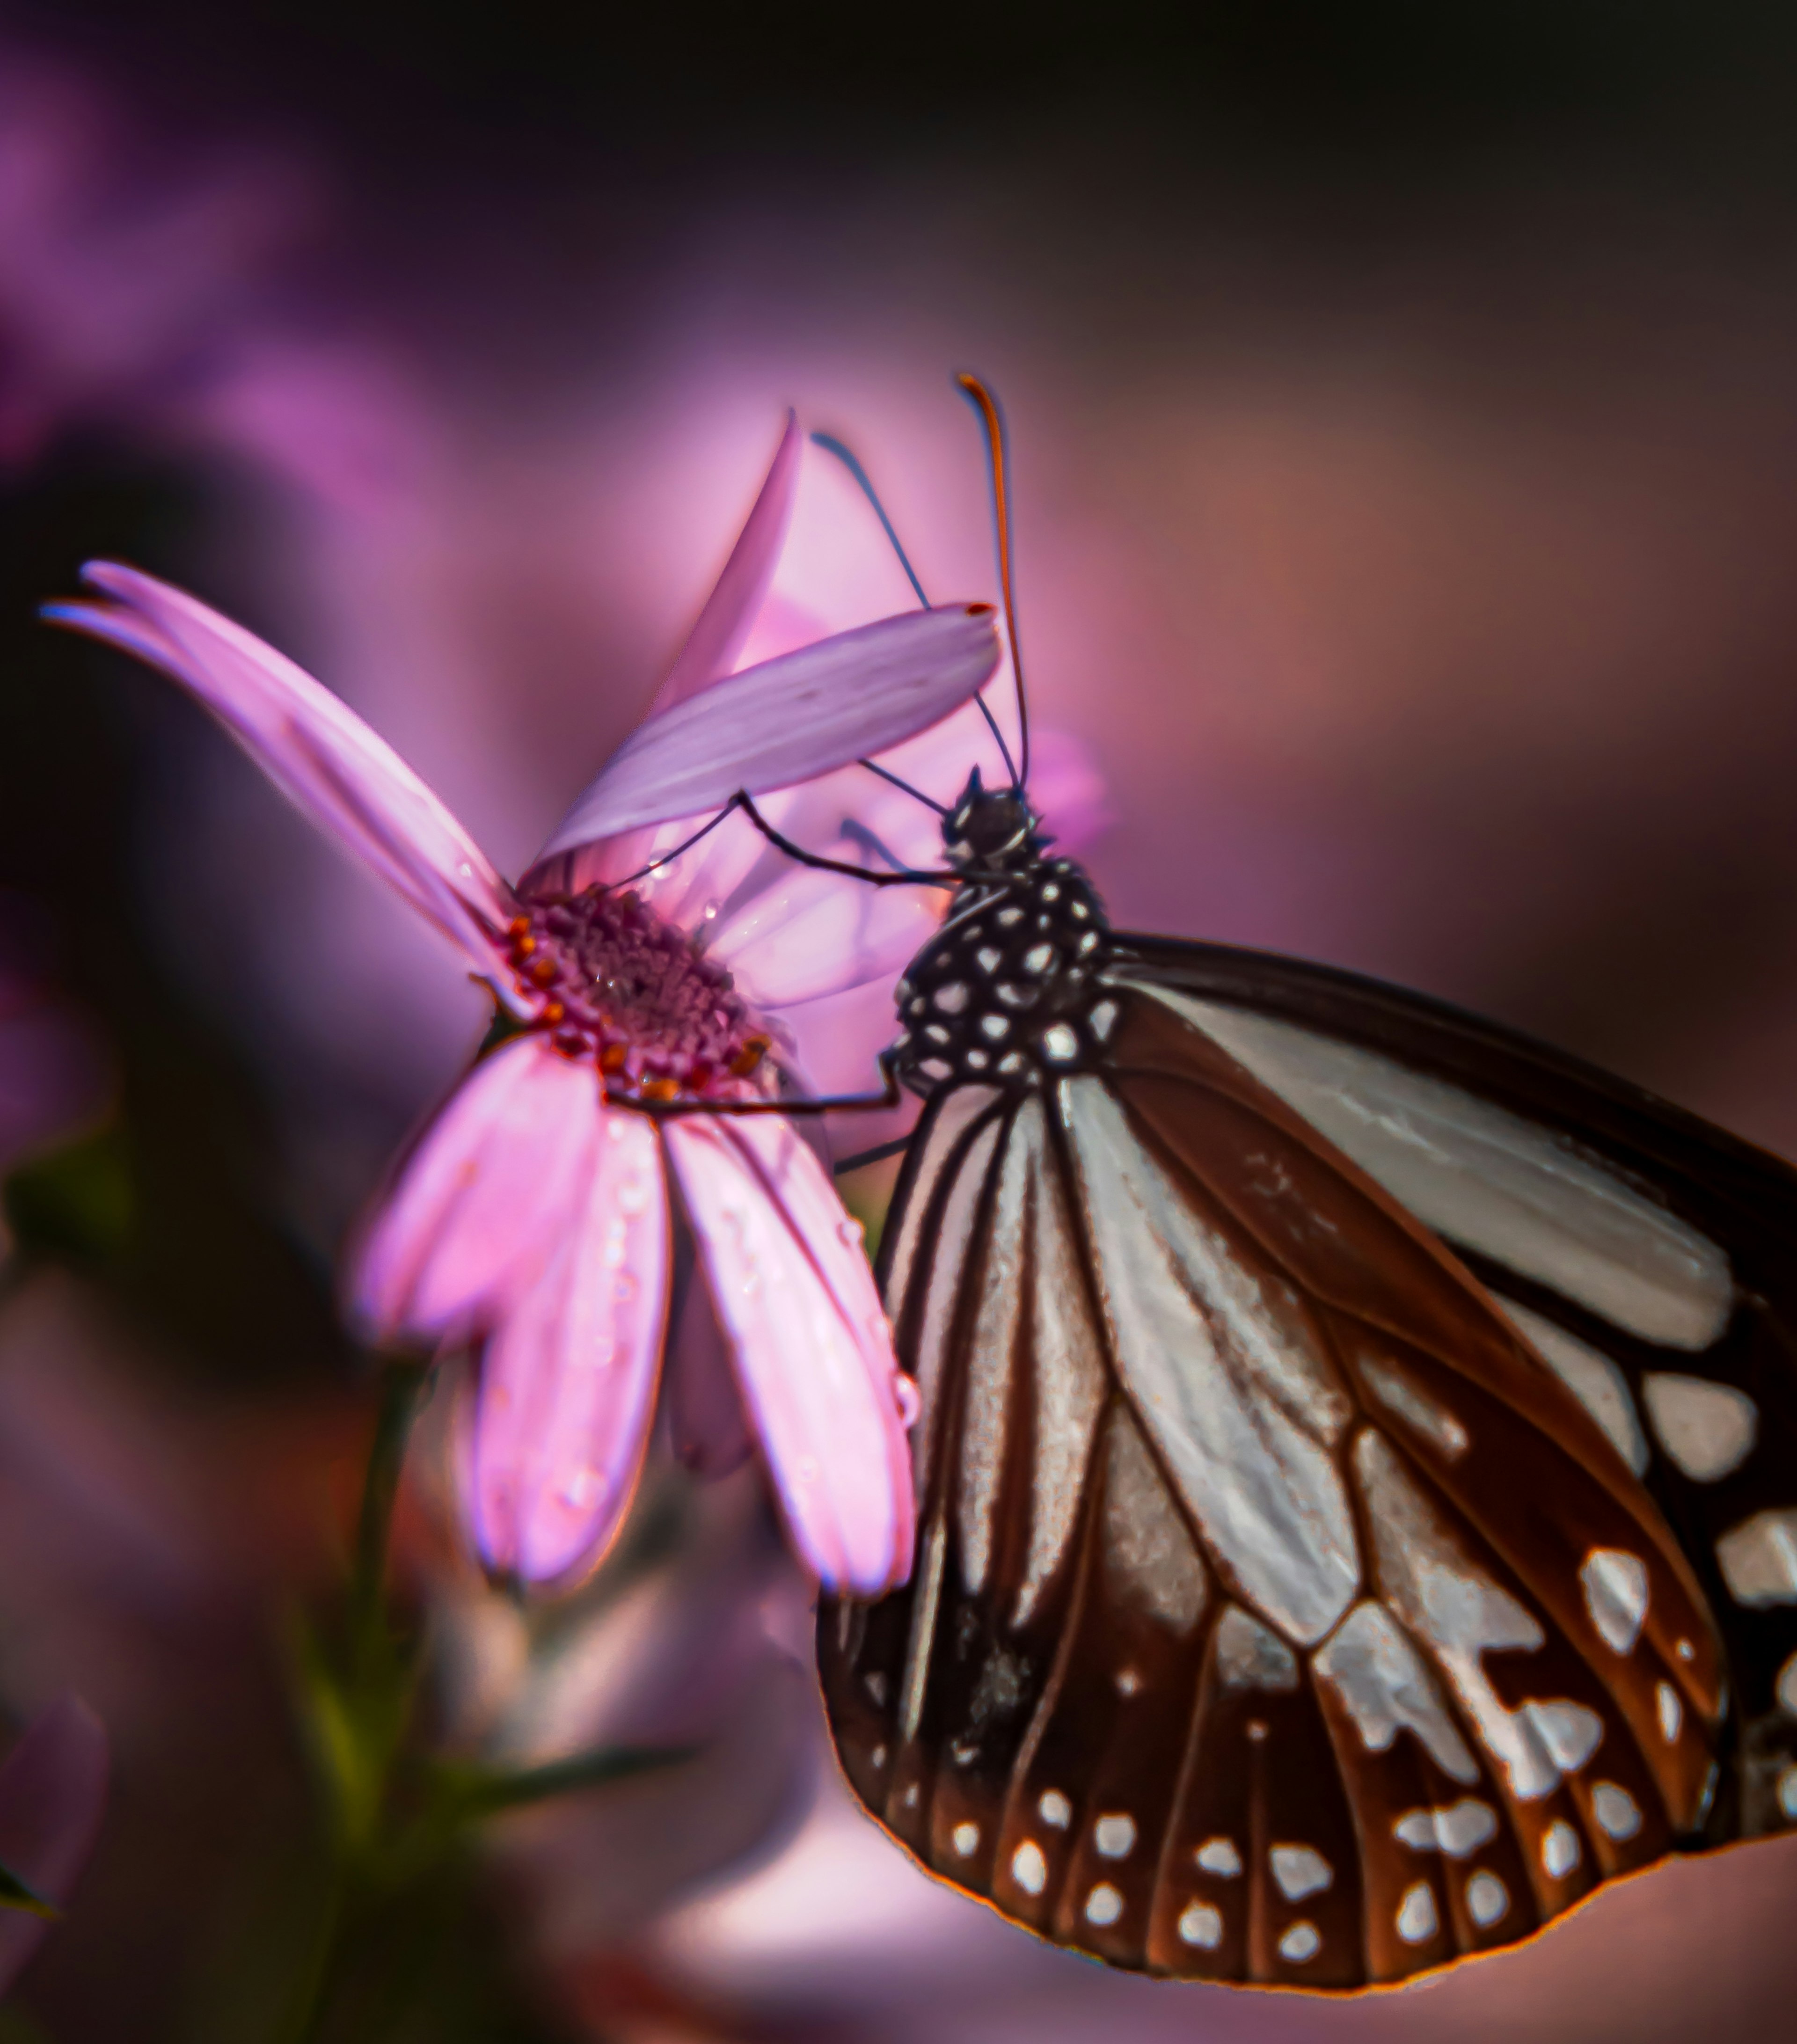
point(1008, 991)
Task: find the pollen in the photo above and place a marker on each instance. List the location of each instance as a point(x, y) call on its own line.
point(618, 984)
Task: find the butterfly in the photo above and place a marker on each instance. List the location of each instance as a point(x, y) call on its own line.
point(1356, 1458)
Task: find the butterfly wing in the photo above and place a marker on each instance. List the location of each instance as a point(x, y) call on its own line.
point(1650, 1257)
point(1279, 1615)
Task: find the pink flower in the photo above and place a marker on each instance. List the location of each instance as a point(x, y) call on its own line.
point(52, 1791)
point(532, 1218)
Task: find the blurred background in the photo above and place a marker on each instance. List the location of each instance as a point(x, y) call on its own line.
point(1405, 413)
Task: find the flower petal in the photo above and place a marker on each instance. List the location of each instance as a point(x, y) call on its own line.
point(52, 1793)
point(813, 1351)
point(707, 1429)
point(731, 609)
point(474, 1212)
point(311, 744)
point(789, 719)
point(567, 1378)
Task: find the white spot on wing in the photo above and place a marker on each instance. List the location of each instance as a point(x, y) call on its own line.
point(965, 1838)
point(1418, 1920)
point(1560, 1850)
point(1227, 1375)
point(950, 998)
point(1115, 1834)
point(1786, 1687)
point(1591, 1377)
point(1615, 1810)
point(991, 1355)
point(922, 1631)
point(1788, 1793)
point(1220, 1857)
point(1615, 1582)
point(1373, 1666)
point(1300, 1870)
point(1759, 1558)
point(1571, 1733)
point(1488, 1900)
point(1104, 1905)
point(1029, 1869)
point(1054, 1810)
point(1707, 1429)
point(1459, 1830)
point(1671, 1710)
point(1299, 1942)
point(1487, 1178)
point(1201, 1924)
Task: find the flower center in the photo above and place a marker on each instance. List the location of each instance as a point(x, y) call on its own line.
point(622, 986)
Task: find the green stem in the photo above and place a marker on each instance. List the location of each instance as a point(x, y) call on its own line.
point(368, 1647)
point(401, 1384)
point(306, 2012)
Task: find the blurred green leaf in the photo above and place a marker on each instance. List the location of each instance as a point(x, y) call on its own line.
point(16, 1894)
point(475, 1792)
point(77, 1203)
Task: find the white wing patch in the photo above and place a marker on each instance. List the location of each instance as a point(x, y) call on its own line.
point(1487, 1177)
point(1759, 1558)
point(1589, 1375)
point(1445, 1598)
point(1242, 1404)
point(1373, 1666)
point(1707, 1429)
point(1149, 1554)
point(954, 1241)
point(991, 1364)
point(1070, 1377)
point(1615, 1586)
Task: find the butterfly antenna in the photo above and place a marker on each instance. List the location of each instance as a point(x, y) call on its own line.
point(886, 774)
point(982, 401)
point(847, 456)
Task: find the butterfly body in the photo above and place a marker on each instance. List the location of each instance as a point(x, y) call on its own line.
point(1011, 991)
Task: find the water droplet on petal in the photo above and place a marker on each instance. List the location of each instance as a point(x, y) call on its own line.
point(624, 1288)
point(711, 911)
point(584, 1488)
point(806, 1469)
point(751, 1283)
point(632, 1196)
point(909, 1400)
point(613, 1254)
point(851, 1230)
point(601, 1352)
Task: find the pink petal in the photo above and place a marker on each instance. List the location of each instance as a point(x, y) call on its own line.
point(52, 1793)
point(787, 719)
point(816, 934)
point(707, 1429)
point(478, 1208)
point(567, 1379)
point(312, 745)
point(813, 1353)
point(729, 615)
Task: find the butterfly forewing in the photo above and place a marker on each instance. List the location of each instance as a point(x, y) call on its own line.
point(1280, 1614)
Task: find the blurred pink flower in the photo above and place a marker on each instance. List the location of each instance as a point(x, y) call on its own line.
point(533, 1215)
point(52, 1790)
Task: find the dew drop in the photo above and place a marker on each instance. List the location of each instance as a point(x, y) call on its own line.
point(624, 1288)
point(632, 1196)
point(850, 1230)
point(909, 1400)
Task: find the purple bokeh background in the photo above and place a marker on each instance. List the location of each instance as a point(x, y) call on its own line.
point(1406, 532)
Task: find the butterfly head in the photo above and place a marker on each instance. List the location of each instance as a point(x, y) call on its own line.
point(991, 827)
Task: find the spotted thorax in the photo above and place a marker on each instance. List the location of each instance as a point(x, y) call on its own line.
point(640, 986)
point(1009, 989)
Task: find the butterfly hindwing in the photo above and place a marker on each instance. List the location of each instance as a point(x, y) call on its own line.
point(1650, 1258)
point(1278, 1615)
